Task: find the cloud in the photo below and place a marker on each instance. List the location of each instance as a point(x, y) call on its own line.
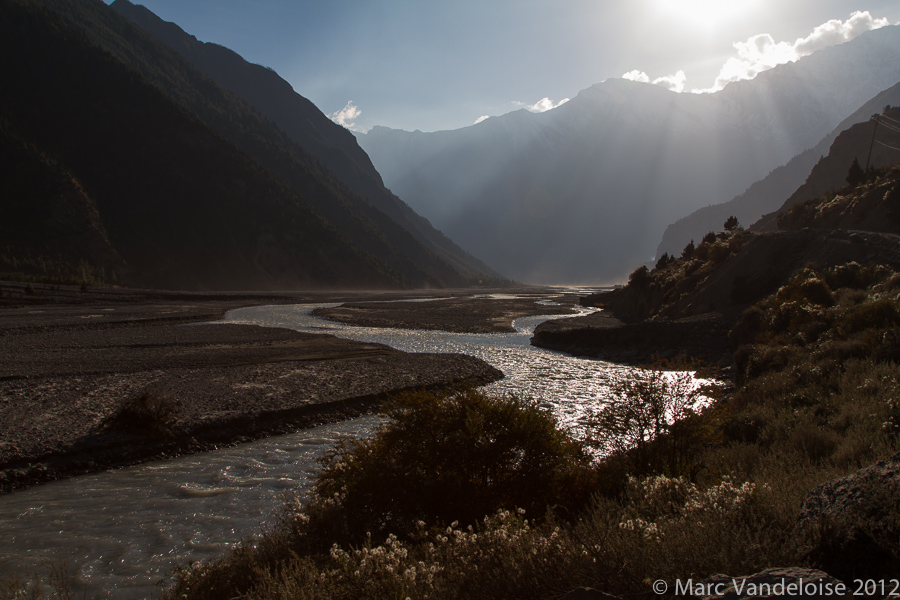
point(347, 116)
point(761, 52)
point(672, 82)
point(637, 75)
point(481, 118)
point(542, 105)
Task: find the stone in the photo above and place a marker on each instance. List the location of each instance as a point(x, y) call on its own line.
point(853, 523)
point(788, 582)
point(586, 593)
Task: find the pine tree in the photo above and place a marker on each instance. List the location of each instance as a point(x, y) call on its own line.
point(856, 175)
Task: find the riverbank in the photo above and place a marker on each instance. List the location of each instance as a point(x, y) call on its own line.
point(468, 313)
point(699, 339)
point(96, 379)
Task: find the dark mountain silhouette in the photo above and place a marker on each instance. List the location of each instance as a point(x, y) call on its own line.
point(577, 193)
point(49, 227)
point(181, 205)
point(829, 177)
point(768, 194)
point(335, 147)
point(377, 251)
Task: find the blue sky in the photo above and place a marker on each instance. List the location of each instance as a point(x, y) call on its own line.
point(431, 65)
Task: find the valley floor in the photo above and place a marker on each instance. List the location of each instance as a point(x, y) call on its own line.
point(98, 378)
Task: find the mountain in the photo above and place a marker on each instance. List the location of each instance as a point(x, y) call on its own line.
point(115, 168)
point(875, 142)
point(579, 193)
point(216, 196)
point(855, 229)
point(768, 194)
point(332, 145)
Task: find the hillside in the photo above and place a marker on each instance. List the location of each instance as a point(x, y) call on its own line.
point(181, 206)
point(830, 172)
point(195, 188)
point(687, 305)
point(768, 194)
point(574, 194)
point(325, 141)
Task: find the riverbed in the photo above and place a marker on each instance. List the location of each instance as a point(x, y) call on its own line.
point(122, 531)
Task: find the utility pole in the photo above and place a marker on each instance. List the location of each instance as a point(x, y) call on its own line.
point(877, 119)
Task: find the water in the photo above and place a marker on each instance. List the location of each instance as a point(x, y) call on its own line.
point(122, 531)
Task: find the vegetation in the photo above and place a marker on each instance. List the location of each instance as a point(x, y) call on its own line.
point(147, 414)
point(717, 492)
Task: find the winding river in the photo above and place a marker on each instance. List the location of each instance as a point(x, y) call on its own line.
point(120, 532)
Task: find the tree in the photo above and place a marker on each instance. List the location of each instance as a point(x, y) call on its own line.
point(688, 250)
point(650, 420)
point(855, 175)
point(663, 261)
point(639, 278)
point(709, 238)
point(731, 223)
point(461, 456)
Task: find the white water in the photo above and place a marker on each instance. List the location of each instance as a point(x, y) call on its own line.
point(122, 531)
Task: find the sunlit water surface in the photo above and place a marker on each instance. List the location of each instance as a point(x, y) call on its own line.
point(122, 531)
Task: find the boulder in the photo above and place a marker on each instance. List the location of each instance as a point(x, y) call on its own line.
point(790, 582)
point(853, 523)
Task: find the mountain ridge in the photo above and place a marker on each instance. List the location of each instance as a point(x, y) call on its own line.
point(301, 121)
point(767, 194)
point(584, 168)
point(310, 197)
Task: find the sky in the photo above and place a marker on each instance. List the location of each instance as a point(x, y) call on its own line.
point(434, 65)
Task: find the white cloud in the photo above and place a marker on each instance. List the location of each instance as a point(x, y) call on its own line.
point(542, 105)
point(637, 75)
point(347, 116)
point(481, 118)
point(672, 82)
point(761, 52)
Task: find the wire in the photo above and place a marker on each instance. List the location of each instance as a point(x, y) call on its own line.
point(887, 118)
point(885, 145)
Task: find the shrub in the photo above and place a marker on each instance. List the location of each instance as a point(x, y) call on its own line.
point(454, 458)
point(639, 278)
point(649, 420)
point(147, 414)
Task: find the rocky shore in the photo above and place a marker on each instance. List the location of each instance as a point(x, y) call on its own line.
point(78, 379)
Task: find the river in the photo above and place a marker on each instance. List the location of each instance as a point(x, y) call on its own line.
point(121, 531)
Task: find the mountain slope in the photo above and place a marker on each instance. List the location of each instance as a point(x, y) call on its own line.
point(828, 179)
point(332, 145)
point(181, 205)
point(768, 194)
point(577, 193)
point(233, 118)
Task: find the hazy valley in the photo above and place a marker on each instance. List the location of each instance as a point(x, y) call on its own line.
point(256, 355)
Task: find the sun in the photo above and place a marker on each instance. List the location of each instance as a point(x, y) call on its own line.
point(704, 14)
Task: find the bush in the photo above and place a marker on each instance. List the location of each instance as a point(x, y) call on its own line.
point(147, 414)
point(652, 420)
point(454, 458)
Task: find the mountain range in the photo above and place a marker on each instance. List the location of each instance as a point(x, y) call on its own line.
point(183, 183)
point(583, 192)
